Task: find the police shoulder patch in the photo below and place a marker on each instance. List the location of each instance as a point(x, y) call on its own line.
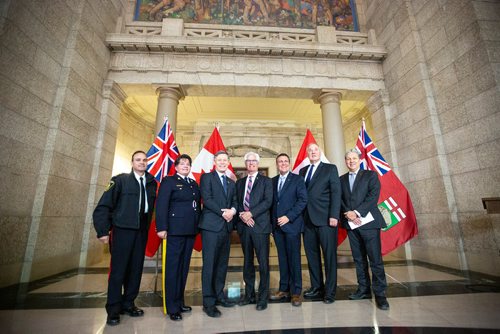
point(110, 185)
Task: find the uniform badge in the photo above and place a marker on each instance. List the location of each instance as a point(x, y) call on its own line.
point(110, 185)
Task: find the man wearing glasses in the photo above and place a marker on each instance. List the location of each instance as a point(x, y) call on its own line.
point(255, 198)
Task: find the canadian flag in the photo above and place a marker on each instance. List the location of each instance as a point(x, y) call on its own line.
point(302, 160)
point(204, 163)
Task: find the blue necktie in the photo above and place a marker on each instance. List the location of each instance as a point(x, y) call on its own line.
point(224, 183)
point(309, 175)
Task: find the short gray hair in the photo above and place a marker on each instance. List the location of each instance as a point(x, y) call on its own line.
point(353, 150)
point(257, 157)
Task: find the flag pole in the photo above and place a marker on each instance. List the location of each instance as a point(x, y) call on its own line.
point(163, 258)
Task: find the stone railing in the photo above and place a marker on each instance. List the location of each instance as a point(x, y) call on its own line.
point(173, 35)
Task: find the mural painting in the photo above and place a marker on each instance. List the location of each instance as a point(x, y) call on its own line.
point(274, 13)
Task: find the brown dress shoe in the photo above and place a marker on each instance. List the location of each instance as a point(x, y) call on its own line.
point(279, 295)
point(296, 301)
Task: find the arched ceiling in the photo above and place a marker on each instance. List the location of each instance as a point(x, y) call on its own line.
point(142, 101)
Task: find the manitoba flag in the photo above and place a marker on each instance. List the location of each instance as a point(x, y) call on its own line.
point(302, 160)
point(394, 200)
point(204, 163)
point(161, 157)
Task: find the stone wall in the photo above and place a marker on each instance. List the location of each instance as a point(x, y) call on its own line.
point(53, 62)
point(442, 75)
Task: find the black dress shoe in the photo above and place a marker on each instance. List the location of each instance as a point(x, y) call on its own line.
point(113, 319)
point(313, 293)
point(382, 302)
point(246, 301)
point(212, 311)
point(133, 311)
point(186, 308)
point(261, 306)
point(225, 303)
point(360, 295)
point(328, 300)
point(175, 316)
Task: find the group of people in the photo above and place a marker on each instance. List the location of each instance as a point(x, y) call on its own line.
point(289, 206)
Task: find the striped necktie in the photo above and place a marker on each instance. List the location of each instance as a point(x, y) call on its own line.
point(246, 201)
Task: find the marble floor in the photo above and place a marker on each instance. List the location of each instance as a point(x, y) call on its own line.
point(424, 298)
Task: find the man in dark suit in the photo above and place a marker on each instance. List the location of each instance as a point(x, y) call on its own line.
point(363, 221)
point(122, 219)
point(321, 219)
point(255, 198)
point(289, 202)
point(218, 193)
point(177, 216)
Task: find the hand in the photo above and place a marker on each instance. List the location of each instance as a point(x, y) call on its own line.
point(162, 234)
point(351, 215)
point(283, 220)
point(357, 221)
point(333, 222)
point(250, 222)
point(104, 239)
point(227, 214)
point(245, 215)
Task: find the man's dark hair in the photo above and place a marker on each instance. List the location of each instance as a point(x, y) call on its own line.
point(183, 156)
point(283, 155)
point(137, 152)
point(219, 153)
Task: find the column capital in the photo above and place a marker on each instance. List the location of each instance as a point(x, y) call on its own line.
point(328, 96)
point(174, 92)
point(378, 100)
point(111, 90)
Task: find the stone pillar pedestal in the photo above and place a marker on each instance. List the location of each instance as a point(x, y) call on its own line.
point(333, 133)
point(168, 100)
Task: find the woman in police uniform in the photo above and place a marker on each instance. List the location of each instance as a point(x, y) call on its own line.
point(177, 215)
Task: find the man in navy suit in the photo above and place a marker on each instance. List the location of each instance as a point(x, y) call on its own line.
point(219, 207)
point(177, 216)
point(321, 219)
point(255, 198)
point(363, 221)
point(289, 201)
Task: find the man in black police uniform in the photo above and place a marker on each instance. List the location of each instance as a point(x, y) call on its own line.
point(122, 219)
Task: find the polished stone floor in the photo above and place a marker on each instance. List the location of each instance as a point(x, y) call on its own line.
point(423, 298)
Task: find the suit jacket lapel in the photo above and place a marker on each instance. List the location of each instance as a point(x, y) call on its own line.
point(316, 174)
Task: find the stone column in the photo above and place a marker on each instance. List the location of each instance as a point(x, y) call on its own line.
point(333, 133)
point(168, 100)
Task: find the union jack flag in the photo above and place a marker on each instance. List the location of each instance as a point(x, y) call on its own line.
point(394, 201)
point(162, 154)
point(161, 157)
point(371, 159)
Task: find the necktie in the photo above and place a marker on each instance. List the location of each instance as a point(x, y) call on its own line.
point(224, 183)
point(142, 197)
point(309, 175)
point(352, 177)
point(187, 180)
point(280, 185)
point(246, 201)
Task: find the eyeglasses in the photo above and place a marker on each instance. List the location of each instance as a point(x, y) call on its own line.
point(251, 161)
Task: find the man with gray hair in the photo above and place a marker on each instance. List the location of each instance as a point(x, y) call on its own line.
point(255, 198)
point(362, 219)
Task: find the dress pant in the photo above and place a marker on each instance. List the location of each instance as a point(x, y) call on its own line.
point(288, 246)
point(179, 250)
point(365, 244)
point(324, 237)
point(251, 241)
point(216, 246)
point(127, 248)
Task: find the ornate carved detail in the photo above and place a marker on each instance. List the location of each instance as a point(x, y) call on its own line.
point(222, 39)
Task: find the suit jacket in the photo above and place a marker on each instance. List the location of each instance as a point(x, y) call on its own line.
point(178, 206)
point(363, 198)
point(323, 194)
point(215, 199)
point(261, 200)
point(291, 202)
